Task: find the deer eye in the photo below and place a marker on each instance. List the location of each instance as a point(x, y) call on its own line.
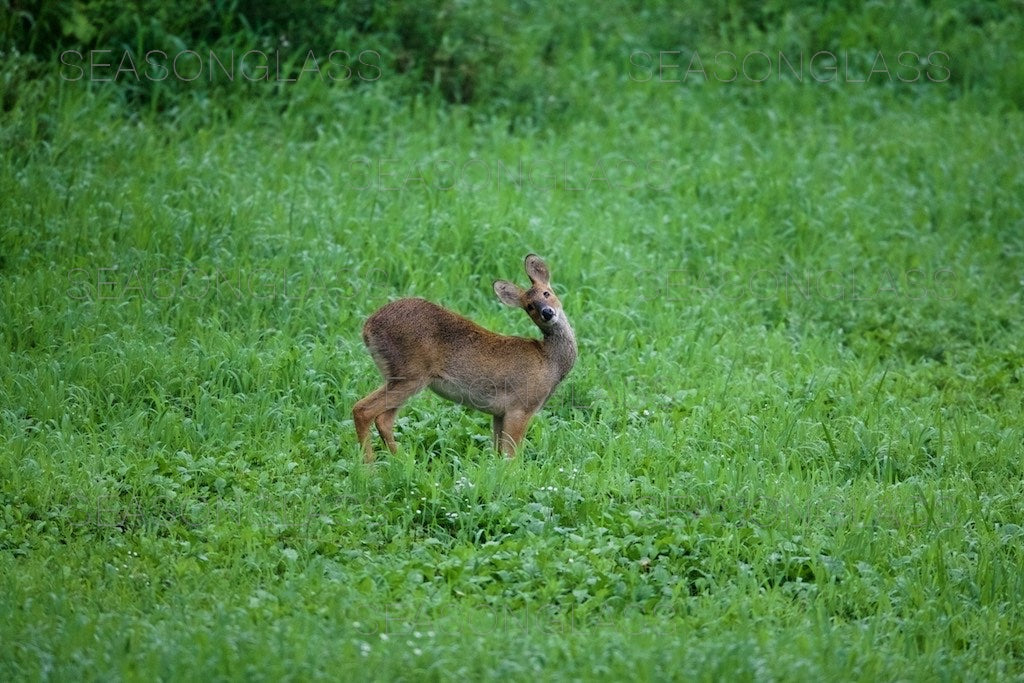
point(547, 294)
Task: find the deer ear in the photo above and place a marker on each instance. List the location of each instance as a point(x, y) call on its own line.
point(508, 293)
point(537, 269)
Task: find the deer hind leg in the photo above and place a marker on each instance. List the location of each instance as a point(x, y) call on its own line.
point(385, 424)
point(380, 406)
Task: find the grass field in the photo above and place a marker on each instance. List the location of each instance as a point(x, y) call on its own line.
point(790, 448)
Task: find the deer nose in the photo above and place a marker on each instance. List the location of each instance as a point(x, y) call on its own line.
point(547, 313)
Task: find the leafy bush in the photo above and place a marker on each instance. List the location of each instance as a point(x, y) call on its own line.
point(526, 59)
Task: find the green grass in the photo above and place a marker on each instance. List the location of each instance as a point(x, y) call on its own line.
point(790, 448)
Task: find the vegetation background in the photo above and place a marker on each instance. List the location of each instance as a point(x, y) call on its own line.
point(790, 240)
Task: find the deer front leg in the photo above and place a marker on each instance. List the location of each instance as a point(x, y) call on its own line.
point(498, 425)
point(512, 430)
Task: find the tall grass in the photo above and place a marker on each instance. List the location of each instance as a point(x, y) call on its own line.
point(789, 449)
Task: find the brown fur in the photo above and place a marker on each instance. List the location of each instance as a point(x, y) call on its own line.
point(418, 345)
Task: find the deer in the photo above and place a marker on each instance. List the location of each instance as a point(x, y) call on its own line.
point(417, 345)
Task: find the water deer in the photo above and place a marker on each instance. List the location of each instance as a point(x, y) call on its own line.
point(418, 344)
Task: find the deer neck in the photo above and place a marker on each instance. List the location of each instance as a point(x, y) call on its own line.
point(560, 347)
